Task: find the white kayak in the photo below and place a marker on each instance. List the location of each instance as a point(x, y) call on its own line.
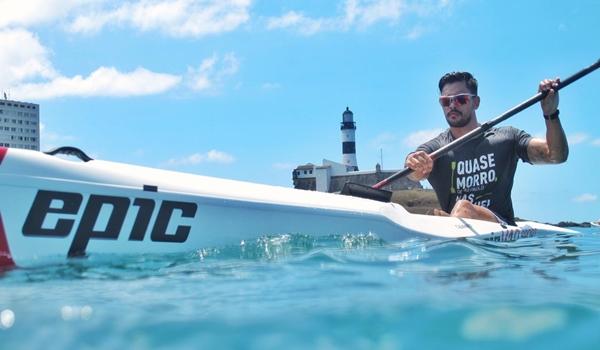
point(50, 206)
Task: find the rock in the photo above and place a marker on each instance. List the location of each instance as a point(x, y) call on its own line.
point(416, 201)
point(572, 224)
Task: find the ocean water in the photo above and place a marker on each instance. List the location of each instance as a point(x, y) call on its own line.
point(301, 292)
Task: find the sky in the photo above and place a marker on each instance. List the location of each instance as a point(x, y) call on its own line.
point(249, 89)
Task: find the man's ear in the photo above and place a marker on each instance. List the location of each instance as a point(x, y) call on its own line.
point(476, 101)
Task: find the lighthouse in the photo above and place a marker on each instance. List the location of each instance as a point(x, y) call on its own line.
point(348, 127)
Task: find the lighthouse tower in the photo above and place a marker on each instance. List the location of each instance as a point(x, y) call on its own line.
point(348, 127)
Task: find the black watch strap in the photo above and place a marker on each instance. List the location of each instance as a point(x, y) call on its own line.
point(552, 116)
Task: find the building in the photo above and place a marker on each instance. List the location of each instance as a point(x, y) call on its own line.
point(19, 124)
point(331, 176)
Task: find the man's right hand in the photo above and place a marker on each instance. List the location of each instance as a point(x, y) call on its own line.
point(421, 164)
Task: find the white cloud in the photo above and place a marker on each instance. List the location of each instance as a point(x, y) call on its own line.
point(212, 156)
point(90, 24)
point(31, 12)
point(417, 138)
point(365, 13)
point(596, 142)
point(51, 136)
point(212, 73)
point(104, 81)
point(577, 138)
point(23, 57)
point(178, 18)
point(360, 14)
point(416, 32)
point(26, 71)
point(383, 140)
point(303, 24)
point(50, 139)
point(271, 86)
point(585, 197)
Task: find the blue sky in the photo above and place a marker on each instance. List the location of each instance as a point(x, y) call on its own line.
point(248, 89)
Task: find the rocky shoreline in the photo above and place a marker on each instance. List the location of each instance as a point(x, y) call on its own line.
point(416, 201)
point(421, 201)
point(572, 224)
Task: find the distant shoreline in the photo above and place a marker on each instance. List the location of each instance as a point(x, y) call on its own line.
point(572, 224)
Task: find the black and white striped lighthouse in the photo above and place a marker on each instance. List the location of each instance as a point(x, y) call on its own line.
point(348, 127)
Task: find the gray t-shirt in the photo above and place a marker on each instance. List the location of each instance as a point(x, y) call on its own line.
point(481, 170)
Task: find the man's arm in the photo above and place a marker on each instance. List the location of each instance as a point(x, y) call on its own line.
point(555, 148)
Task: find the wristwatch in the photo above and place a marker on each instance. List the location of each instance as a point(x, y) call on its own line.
point(552, 116)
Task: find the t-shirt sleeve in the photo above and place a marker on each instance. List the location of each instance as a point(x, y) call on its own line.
point(522, 140)
point(430, 146)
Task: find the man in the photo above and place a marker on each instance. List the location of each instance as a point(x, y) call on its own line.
point(475, 180)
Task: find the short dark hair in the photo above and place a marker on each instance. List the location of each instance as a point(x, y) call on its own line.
point(454, 77)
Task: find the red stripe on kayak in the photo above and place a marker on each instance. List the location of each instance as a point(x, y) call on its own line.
point(6, 261)
point(2, 153)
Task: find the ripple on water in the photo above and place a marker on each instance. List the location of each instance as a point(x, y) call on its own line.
point(300, 291)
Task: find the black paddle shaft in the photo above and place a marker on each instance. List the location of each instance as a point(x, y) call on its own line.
point(487, 125)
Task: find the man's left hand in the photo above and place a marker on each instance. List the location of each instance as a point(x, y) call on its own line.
point(550, 102)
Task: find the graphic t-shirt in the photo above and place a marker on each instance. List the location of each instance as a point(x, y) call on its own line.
point(480, 171)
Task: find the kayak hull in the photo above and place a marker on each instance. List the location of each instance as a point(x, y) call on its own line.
point(51, 206)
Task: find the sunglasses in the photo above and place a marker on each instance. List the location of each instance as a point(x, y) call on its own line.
point(460, 99)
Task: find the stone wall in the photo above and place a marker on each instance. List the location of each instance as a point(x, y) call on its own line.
point(337, 182)
point(309, 184)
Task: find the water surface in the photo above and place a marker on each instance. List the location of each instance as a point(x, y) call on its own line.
point(299, 292)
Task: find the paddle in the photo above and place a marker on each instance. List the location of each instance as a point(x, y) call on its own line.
point(374, 192)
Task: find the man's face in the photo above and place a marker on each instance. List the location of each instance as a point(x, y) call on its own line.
point(457, 114)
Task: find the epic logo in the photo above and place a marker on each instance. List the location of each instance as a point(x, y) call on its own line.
point(71, 202)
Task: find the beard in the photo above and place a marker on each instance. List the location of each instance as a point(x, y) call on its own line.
point(459, 122)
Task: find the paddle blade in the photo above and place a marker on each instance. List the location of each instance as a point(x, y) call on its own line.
point(363, 191)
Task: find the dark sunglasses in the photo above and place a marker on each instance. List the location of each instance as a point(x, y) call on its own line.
point(460, 99)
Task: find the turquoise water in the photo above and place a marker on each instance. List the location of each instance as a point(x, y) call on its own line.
point(298, 292)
